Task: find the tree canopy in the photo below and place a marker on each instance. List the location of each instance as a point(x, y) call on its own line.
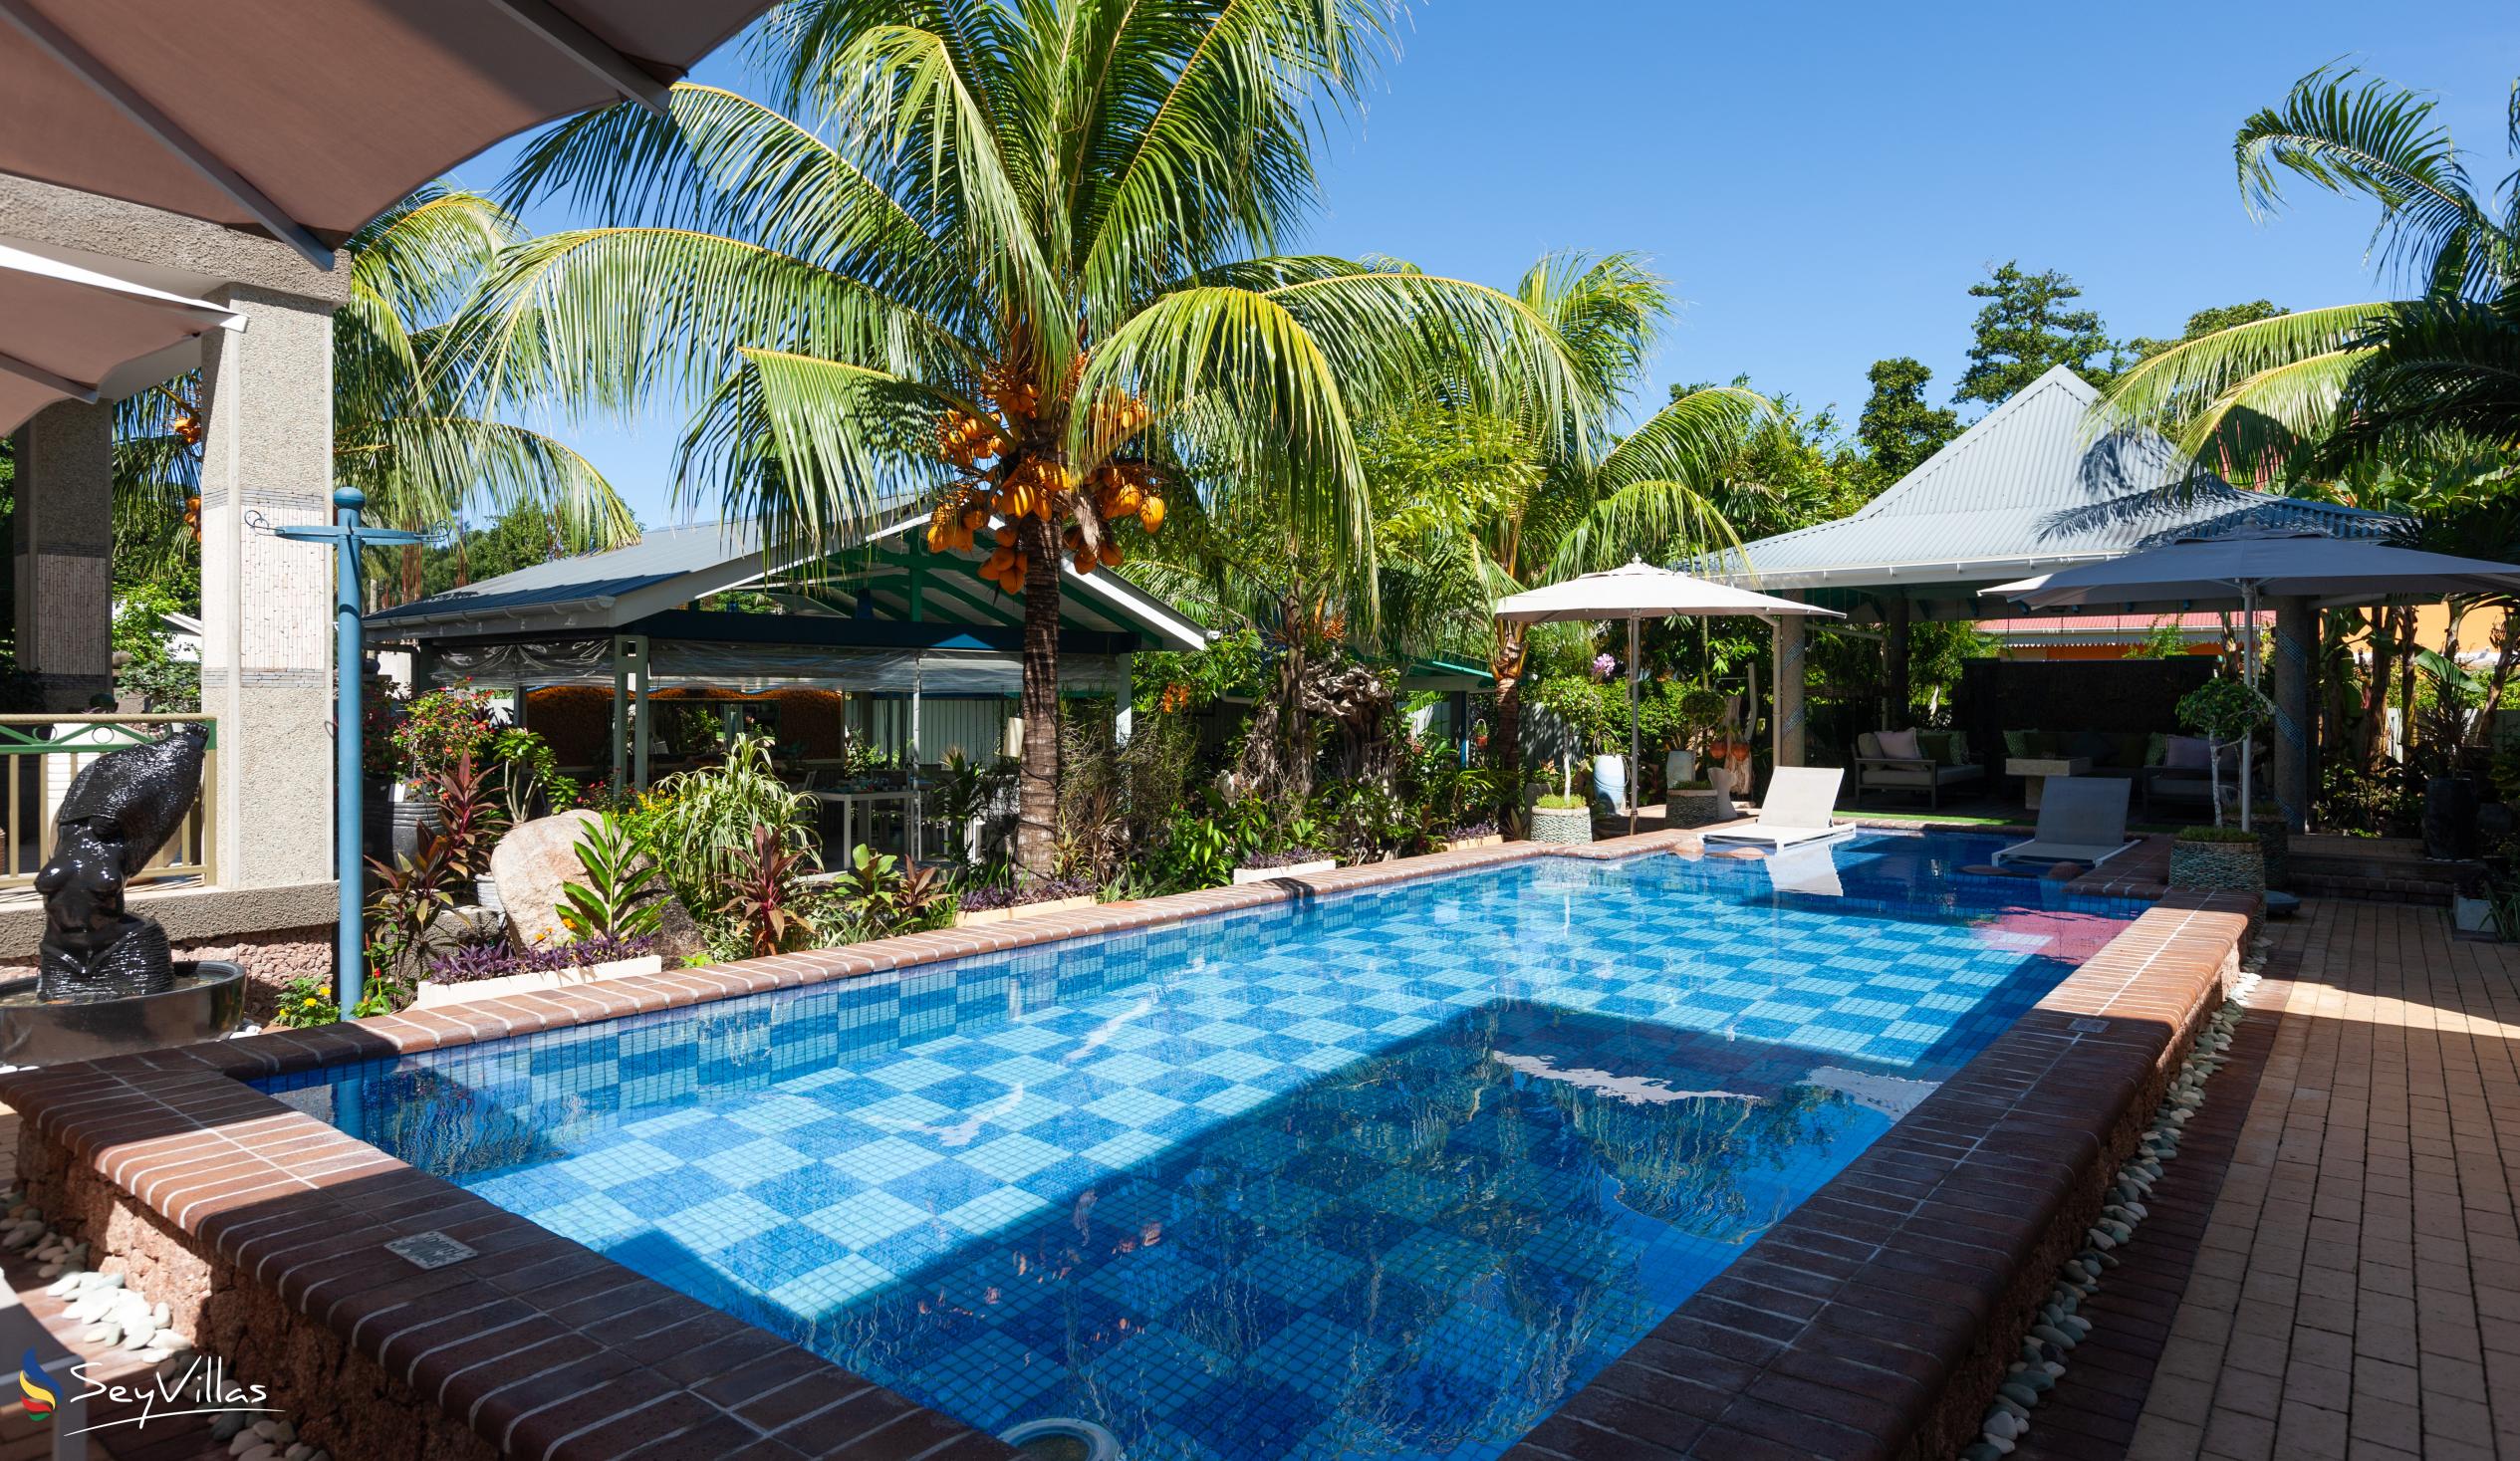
point(2026, 330)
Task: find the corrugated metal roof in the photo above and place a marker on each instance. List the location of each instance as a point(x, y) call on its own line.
point(669, 567)
point(2022, 491)
point(591, 580)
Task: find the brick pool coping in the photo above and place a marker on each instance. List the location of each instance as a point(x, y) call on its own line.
point(271, 1226)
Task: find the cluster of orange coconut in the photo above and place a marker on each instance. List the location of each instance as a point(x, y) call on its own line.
point(1041, 489)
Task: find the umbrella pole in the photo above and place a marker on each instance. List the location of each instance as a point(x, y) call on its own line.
point(1636, 768)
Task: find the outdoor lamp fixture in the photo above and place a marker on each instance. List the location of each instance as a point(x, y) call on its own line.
point(348, 538)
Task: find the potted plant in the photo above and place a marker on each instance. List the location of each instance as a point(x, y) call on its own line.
point(1689, 800)
point(2226, 712)
point(2218, 859)
point(1562, 817)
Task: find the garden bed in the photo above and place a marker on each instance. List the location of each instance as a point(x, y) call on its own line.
point(977, 917)
point(1307, 868)
point(433, 993)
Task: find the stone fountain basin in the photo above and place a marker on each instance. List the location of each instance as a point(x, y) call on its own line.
point(208, 1001)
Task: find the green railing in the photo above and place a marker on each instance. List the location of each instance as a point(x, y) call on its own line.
point(40, 754)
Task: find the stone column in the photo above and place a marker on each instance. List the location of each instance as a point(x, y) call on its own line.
point(1791, 718)
point(267, 604)
point(63, 541)
point(2296, 747)
point(1896, 614)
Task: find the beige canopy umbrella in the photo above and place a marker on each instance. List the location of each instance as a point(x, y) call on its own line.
point(305, 119)
point(1637, 592)
point(78, 333)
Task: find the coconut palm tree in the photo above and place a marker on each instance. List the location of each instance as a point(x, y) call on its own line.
point(2310, 391)
point(401, 432)
point(1012, 263)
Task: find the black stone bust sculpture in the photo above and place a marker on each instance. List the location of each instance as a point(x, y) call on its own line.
point(118, 812)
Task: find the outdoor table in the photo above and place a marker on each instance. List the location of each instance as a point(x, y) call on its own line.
point(870, 804)
point(2034, 772)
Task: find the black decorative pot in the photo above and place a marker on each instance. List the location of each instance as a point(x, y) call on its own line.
point(207, 1001)
point(2449, 818)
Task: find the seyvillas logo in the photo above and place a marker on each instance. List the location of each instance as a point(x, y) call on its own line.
point(37, 1387)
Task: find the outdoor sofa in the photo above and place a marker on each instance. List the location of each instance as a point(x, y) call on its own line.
point(1942, 760)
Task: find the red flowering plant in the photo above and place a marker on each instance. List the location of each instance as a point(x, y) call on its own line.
point(438, 729)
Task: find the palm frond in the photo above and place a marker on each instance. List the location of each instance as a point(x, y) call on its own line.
point(602, 319)
point(2172, 389)
point(2348, 133)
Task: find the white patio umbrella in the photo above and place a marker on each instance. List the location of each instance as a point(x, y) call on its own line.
point(2254, 566)
point(1637, 592)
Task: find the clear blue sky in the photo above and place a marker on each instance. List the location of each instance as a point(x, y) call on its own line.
point(1823, 182)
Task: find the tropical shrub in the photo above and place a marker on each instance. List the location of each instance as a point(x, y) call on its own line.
point(439, 726)
point(2225, 711)
point(410, 892)
point(469, 820)
point(764, 903)
point(527, 776)
point(699, 825)
point(881, 897)
point(621, 896)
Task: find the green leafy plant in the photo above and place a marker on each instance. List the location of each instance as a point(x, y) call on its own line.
point(883, 897)
point(621, 896)
point(529, 783)
point(306, 1001)
point(2222, 834)
point(2502, 906)
point(1197, 853)
point(2225, 711)
point(699, 824)
point(1558, 802)
point(764, 905)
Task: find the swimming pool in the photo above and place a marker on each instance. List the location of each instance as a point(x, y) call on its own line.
point(1387, 1173)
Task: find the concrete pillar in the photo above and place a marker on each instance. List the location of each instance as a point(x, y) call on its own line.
point(267, 604)
point(2296, 746)
point(62, 539)
point(1791, 718)
point(1895, 616)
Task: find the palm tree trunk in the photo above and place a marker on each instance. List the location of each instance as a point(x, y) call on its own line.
point(1506, 664)
point(2376, 690)
point(1037, 784)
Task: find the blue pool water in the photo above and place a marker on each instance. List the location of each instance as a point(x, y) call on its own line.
point(1387, 1173)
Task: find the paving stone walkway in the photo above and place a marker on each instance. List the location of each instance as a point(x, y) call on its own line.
point(2356, 1292)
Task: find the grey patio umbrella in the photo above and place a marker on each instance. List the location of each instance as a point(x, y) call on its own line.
point(1637, 592)
point(305, 119)
point(2254, 567)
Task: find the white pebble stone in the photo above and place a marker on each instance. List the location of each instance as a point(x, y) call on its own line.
point(267, 1428)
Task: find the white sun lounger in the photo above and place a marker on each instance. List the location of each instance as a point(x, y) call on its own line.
point(1796, 809)
point(2081, 818)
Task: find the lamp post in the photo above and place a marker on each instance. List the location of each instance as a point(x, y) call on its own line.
point(348, 539)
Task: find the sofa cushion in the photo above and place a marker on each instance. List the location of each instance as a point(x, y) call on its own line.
point(1900, 745)
point(1868, 746)
point(2156, 749)
point(2017, 743)
point(2131, 748)
point(2099, 748)
point(2187, 753)
point(1934, 746)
